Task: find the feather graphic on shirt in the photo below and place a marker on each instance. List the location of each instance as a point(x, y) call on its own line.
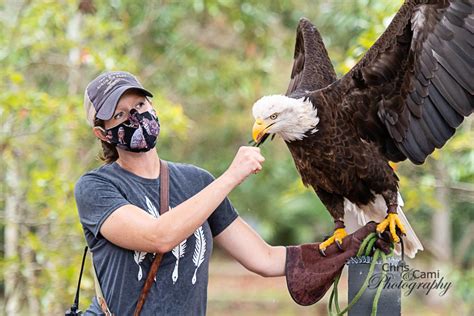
point(151, 208)
point(139, 256)
point(178, 252)
point(199, 250)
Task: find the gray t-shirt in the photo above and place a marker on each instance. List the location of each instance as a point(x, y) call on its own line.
point(181, 282)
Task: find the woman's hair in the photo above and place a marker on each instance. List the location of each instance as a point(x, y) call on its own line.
point(109, 152)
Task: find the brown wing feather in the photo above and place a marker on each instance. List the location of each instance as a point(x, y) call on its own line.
point(414, 86)
point(312, 68)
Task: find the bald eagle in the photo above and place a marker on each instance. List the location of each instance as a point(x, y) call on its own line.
point(403, 99)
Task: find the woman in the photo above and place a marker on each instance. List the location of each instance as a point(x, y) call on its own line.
point(118, 205)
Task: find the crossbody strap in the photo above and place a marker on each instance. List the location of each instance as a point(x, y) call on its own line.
point(98, 292)
point(164, 207)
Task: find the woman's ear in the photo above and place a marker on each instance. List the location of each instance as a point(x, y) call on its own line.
point(100, 133)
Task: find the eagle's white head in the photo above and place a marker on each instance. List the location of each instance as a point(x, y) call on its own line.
point(290, 118)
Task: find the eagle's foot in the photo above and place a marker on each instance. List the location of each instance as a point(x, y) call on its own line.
point(337, 237)
point(392, 222)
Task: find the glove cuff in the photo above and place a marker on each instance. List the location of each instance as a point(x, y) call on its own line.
point(308, 275)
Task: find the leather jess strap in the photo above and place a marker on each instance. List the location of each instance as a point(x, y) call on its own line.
point(164, 207)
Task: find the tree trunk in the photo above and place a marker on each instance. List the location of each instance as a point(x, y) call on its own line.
point(73, 34)
point(441, 237)
point(12, 195)
point(441, 222)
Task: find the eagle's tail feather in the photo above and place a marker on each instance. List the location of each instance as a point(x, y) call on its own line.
point(356, 217)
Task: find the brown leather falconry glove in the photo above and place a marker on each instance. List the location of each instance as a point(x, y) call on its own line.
point(309, 274)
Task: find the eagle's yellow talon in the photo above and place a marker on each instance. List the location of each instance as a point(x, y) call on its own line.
point(326, 243)
point(400, 226)
point(383, 224)
point(338, 235)
point(392, 222)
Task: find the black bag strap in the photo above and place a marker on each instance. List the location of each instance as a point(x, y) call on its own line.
point(74, 310)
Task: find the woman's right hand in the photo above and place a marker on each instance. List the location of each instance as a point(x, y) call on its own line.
point(248, 160)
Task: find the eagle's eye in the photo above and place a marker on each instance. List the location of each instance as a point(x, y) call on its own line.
point(274, 116)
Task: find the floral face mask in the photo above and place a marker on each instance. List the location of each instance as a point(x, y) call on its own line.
point(137, 134)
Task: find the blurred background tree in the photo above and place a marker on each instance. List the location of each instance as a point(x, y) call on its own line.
point(206, 62)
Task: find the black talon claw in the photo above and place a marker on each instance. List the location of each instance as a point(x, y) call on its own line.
point(379, 235)
point(321, 251)
point(386, 236)
point(400, 234)
point(339, 245)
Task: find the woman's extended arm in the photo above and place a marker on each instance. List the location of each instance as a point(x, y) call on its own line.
point(132, 228)
point(246, 246)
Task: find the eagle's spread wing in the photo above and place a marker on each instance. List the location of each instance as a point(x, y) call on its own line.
point(312, 68)
point(415, 84)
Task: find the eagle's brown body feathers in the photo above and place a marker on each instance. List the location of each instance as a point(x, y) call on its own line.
point(337, 163)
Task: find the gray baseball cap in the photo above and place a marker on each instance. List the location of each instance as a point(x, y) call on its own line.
point(103, 93)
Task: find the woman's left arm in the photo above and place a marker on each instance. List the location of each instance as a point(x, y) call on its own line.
point(247, 247)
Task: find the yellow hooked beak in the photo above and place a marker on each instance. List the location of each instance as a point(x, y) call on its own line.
point(394, 165)
point(258, 130)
